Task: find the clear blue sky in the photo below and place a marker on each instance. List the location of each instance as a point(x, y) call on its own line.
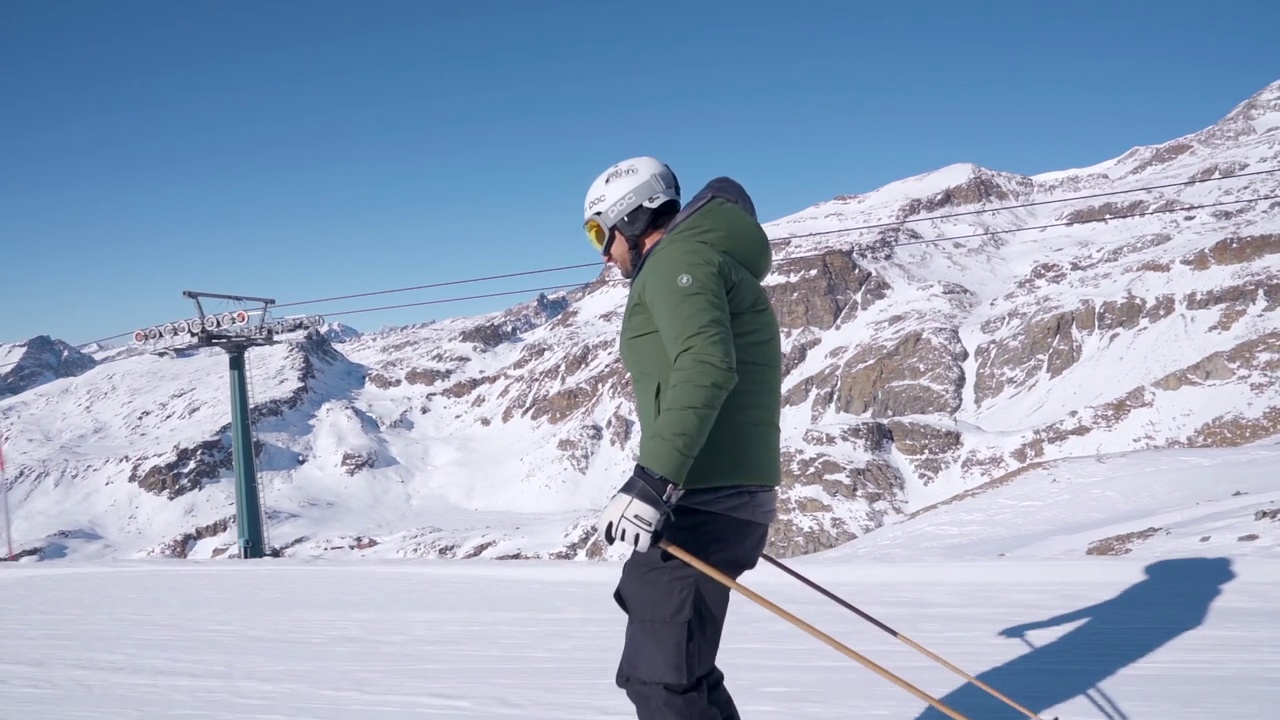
point(304, 149)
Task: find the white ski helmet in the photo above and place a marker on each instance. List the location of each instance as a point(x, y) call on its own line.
point(640, 182)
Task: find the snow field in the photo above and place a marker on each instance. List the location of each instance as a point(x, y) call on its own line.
point(480, 639)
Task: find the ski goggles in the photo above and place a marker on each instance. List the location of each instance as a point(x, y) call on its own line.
point(598, 233)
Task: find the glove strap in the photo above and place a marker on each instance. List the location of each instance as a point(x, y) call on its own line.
point(668, 491)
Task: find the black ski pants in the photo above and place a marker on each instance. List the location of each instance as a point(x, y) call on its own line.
point(676, 613)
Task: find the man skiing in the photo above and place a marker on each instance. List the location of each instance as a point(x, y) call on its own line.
point(701, 344)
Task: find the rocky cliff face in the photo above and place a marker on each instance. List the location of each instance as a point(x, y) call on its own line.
point(924, 355)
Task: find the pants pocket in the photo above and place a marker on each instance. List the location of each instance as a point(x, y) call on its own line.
point(659, 645)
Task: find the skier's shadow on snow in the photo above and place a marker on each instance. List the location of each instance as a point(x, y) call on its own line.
point(1173, 599)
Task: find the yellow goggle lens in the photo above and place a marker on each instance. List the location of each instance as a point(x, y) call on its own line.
point(596, 234)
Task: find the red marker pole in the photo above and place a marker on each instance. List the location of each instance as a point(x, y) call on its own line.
point(4, 497)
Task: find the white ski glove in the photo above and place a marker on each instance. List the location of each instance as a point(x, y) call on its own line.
point(637, 511)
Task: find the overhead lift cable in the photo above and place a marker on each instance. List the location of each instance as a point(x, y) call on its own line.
point(800, 236)
point(821, 233)
point(828, 251)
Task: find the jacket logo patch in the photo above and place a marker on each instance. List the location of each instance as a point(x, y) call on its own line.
point(684, 280)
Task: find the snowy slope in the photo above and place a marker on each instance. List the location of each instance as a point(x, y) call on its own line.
point(111, 458)
point(918, 365)
point(997, 582)
point(539, 641)
point(1150, 504)
point(9, 354)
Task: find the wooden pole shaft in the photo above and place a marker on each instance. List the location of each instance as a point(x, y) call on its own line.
point(912, 643)
point(848, 652)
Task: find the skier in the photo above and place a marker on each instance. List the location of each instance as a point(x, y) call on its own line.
point(701, 344)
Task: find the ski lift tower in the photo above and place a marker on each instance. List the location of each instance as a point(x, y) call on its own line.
point(232, 332)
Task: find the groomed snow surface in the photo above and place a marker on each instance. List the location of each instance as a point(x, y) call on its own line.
point(1176, 629)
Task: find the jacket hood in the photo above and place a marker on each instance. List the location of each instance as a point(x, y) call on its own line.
point(723, 216)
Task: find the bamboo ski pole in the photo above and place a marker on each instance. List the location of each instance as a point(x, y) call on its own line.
point(852, 654)
point(931, 655)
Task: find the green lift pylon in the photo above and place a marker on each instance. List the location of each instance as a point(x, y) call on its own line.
point(249, 534)
point(248, 504)
point(232, 332)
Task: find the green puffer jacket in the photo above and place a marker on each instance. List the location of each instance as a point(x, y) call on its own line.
point(702, 345)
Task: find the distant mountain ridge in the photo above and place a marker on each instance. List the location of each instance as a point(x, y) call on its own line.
point(917, 366)
point(37, 361)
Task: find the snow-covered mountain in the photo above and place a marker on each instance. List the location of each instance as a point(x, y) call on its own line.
point(338, 332)
point(37, 361)
point(925, 356)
